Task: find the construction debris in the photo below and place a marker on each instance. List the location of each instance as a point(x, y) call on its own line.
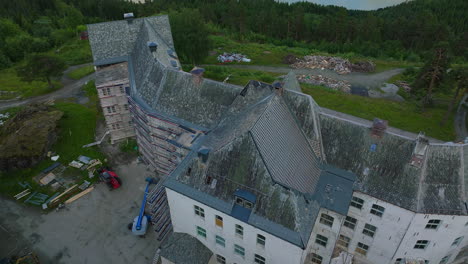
point(67, 191)
point(37, 198)
point(75, 164)
point(337, 64)
point(231, 57)
point(404, 85)
point(81, 194)
point(342, 86)
point(22, 194)
point(47, 179)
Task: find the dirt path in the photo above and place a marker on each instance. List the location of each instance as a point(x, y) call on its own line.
point(366, 80)
point(70, 88)
point(91, 230)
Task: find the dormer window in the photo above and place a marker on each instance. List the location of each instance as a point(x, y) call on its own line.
point(244, 201)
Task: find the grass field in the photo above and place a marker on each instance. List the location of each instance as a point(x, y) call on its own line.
point(74, 52)
point(10, 82)
point(272, 55)
point(81, 72)
point(402, 115)
point(238, 76)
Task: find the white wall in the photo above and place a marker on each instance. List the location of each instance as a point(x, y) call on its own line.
point(184, 220)
point(441, 239)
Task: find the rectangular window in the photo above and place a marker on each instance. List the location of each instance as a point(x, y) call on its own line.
point(220, 259)
point(219, 221)
point(444, 260)
point(201, 232)
point(220, 241)
point(369, 230)
point(261, 240)
point(321, 240)
point(113, 126)
point(326, 220)
point(126, 106)
point(239, 250)
point(259, 259)
point(344, 241)
point(109, 109)
point(199, 211)
point(316, 259)
point(457, 241)
point(377, 210)
point(421, 244)
point(122, 90)
point(357, 202)
point(117, 125)
point(433, 224)
point(108, 91)
point(350, 222)
point(362, 248)
point(239, 231)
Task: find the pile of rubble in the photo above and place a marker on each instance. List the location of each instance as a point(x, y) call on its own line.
point(403, 85)
point(231, 57)
point(3, 118)
point(337, 64)
point(342, 86)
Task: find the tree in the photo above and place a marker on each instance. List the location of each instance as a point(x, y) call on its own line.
point(432, 73)
point(190, 35)
point(460, 77)
point(42, 67)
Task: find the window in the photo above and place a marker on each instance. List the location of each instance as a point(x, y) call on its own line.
point(421, 244)
point(344, 241)
point(261, 240)
point(433, 224)
point(357, 202)
point(326, 220)
point(220, 259)
point(244, 203)
point(122, 90)
point(199, 211)
point(220, 241)
point(321, 240)
point(369, 230)
point(362, 248)
point(444, 259)
point(106, 91)
point(109, 110)
point(316, 259)
point(239, 250)
point(350, 222)
point(219, 221)
point(201, 232)
point(126, 106)
point(457, 241)
point(377, 210)
point(259, 259)
point(117, 125)
point(239, 231)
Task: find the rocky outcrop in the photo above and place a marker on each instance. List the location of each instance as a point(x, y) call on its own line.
point(337, 64)
point(26, 138)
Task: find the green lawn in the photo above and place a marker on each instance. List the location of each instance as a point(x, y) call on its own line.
point(272, 55)
point(403, 115)
point(74, 52)
point(76, 128)
point(238, 76)
point(9, 81)
point(81, 72)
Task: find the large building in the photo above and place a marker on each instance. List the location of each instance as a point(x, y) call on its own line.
point(262, 174)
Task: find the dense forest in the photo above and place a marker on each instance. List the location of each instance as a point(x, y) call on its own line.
point(406, 32)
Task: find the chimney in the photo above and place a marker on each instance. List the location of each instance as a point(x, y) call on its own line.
point(129, 17)
point(278, 87)
point(153, 46)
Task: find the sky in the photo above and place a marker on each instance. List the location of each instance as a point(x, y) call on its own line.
point(354, 4)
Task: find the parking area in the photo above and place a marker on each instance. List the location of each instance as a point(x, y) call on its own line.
point(91, 230)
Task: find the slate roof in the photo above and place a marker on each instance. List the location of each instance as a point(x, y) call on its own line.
point(112, 73)
point(181, 248)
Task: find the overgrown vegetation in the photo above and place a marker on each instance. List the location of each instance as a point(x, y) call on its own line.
point(129, 146)
point(238, 76)
point(404, 115)
point(81, 72)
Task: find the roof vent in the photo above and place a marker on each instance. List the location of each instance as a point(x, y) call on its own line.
point(278, 87)
point(203, 153)
point(378, 127)
point(153, 46)
point(129, 17)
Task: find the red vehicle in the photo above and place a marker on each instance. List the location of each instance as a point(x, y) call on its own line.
point(110, 178)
